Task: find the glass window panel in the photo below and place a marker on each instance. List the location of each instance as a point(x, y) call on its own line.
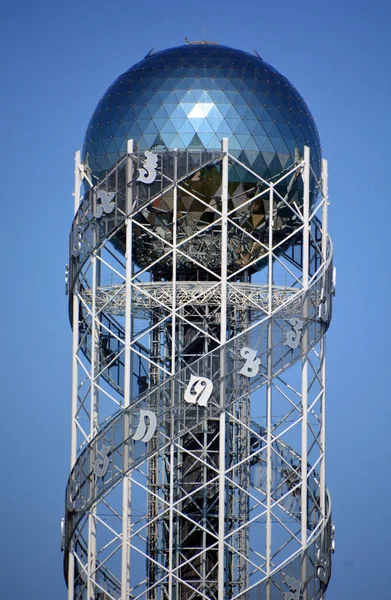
point(186, 138)
point(163, 84)
point(190, 81)
point(127, 114)
point(215, 142)
point(267, 146)
point(250, 144)
point(168, 127)
point(188, 107)
point(239, 126)
point(185, 97)
point(196, 123)
point(231, 113)
point(267, 125)
point(158, 142)
point(202, 82)
point(159, 112)
point(205, 138)
point(273, 131)
point(168, 138)
point(206, 98)
point(159, 123)
point(214, 112)
point(218, 97)
point(151, 127)
point(149, 138)
point(275, 141)
point(205, 127)
point(177, 142)
point(215, 121)
point(242, 139)
point(137, 110)
point(285, 159)
point(177, 112)
point(105, 131)
point(187, 127)
point(224, 128)
point(195, 142)
point(260, 140)
point(234, 144)
point(118, 131)
point(178, 122)
point(197, 93)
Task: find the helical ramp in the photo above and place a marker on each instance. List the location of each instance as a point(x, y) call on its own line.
point(199, 302)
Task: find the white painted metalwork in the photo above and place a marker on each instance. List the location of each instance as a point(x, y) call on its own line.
point(198, 411)
point(147, 296)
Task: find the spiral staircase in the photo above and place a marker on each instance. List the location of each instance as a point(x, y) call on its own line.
point(198, 433)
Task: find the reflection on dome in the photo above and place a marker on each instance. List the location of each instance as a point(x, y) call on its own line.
point(188, 99)
point(192, 96)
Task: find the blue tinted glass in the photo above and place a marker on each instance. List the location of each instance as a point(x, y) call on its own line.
point(191, 97)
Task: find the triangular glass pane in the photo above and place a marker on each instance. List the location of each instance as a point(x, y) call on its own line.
point(178, 123)
point(158, 142)
point(205, 127)
point(187, 127)
point(177, 142)
point(151, 127)
point(160, 112)
point(205, 138)
point(186, 138)
point(177, 112)
point(196, 123)
point(168, 138)
point(196, 142)
point(168, 127)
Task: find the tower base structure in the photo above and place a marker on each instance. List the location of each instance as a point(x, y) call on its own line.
point(199, 302)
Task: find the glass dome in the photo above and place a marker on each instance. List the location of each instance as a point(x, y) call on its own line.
point(192, 96)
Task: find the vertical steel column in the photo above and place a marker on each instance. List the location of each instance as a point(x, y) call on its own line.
point(304, 368)
point(91, 564)
point(128, 372)
point(223, 338)
point(269, 399)
point(173, 363)
point(75, 377)
point(325, 193)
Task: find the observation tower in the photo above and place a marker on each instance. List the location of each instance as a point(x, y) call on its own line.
point(200, 287)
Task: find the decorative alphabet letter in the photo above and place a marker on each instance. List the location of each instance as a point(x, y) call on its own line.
point(75, 240)
point(334, 281)
point(105, 203)
point(147, 174)
point(294, 586)
point(102, 464)
point(332, 539)
point(198, 390)
point(325, 305)
point(144, 433)
point(292, 338)
point(322, 563)
point(251, 366)
point(73, 491)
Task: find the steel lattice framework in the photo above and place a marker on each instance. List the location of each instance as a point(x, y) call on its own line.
point(198, 411)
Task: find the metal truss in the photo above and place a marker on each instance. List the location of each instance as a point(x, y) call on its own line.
point(149, 296)
point(199, 302)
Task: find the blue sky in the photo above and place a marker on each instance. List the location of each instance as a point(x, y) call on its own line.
point(57, 60)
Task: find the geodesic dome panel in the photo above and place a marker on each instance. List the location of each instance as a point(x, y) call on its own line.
point(192, 96)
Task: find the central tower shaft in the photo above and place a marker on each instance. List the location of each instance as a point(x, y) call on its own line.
point(209, 480)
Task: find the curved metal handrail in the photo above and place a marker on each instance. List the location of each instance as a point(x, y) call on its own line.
point(83, 490)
